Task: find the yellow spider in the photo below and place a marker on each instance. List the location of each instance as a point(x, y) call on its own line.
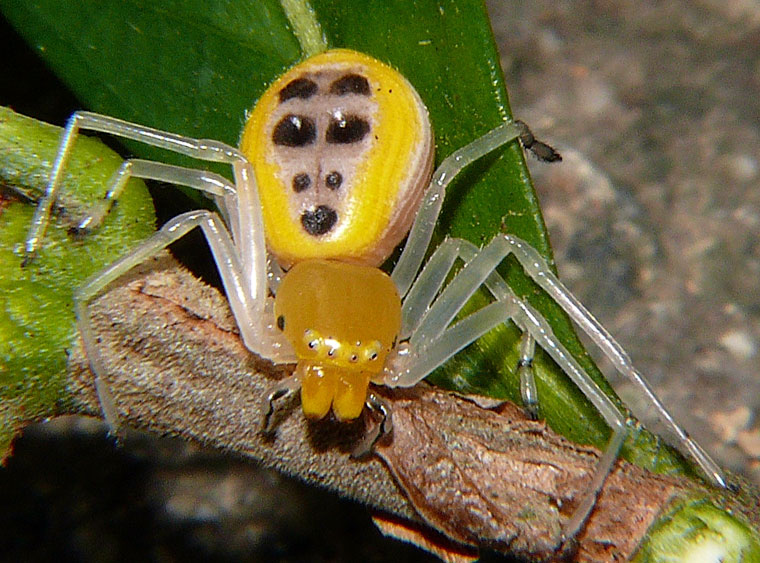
point(333, 171)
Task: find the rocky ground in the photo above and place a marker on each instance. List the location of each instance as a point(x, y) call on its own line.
point(655, 213)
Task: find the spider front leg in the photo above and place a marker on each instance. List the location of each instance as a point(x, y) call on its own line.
point(537, 268)
point(240, 255)
point(429, 283)
point(258, 335)
point(406, 269)
point(421, 232)
point(238, 202)
point(434, 340)
point(201, 149)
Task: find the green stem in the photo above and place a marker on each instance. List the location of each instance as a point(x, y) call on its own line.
point(305, 26)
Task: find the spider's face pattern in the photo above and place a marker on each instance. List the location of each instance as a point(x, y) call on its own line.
point(321, 135)
point(342, 149)
point(342, 320)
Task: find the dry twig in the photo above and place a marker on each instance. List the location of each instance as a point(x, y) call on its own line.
point(478, 476)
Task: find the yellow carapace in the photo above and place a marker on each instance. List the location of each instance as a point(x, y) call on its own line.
point(342, 319)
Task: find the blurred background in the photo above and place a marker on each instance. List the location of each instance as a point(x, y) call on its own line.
point(654, 216)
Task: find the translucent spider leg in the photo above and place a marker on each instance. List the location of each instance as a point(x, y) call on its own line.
point(417, 242)
point(499, 288)
point(239, 204)
point(283, 389)
point(537, 268)
point(430, 281)
point(229, 268)
point(374, 404)
point(427, 316)
point(241, 258)
point(528, 390)
point(427, 216)
point(201, 180)
point(197, 148)
point(233, 279)
point(434, 341)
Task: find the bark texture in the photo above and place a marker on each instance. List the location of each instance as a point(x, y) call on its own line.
point(453, 471)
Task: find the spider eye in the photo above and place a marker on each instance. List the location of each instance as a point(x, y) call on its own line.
point(373, 351)
point(312, 339)
point(281, 322)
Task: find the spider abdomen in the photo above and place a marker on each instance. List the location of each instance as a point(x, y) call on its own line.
point(343, 150)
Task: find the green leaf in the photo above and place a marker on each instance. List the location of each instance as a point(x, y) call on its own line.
point(37, 321)
point(196, 68)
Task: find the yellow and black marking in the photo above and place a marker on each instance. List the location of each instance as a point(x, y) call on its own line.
point(342, 149)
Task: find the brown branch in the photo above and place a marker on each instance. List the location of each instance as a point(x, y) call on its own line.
point(477, 476)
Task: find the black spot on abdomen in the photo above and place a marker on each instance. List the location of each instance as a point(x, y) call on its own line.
point(350, 84)
point(294, 131)
point(333, 180)
point(301, 182)
point(302, 88)
point(347, 129)
point(319, 221)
